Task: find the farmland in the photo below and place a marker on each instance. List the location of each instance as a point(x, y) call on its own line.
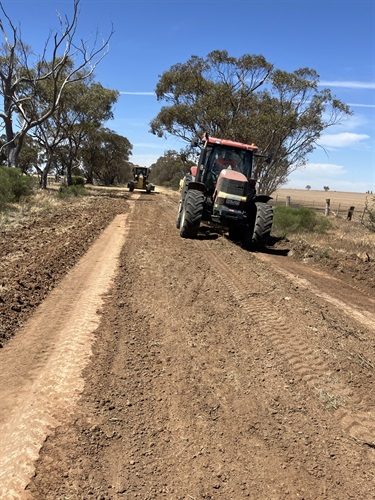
point(138, 364)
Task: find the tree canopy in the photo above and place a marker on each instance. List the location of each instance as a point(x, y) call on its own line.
point(169, 169)
point(83, 108)
point(247, 100)
point(21, 73)
point(105, 156)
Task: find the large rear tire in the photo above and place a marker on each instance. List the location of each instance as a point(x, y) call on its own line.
point(191, 214)
point(131, 186)
point(188, 178)
point(257, 235)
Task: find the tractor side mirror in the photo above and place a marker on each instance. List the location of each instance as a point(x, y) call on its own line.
point(194, 142)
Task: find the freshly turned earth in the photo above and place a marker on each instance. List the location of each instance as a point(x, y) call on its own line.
point(137, 364)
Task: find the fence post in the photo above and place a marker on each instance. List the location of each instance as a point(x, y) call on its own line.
point(364, 210)
point(350, 213)
point(328, 207)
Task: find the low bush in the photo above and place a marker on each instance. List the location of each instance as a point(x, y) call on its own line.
point(14, 186)
point(69, 191)
point(288, 220)
point(78, 180)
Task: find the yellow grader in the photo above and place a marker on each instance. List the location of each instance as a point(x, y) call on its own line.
point(140, 180)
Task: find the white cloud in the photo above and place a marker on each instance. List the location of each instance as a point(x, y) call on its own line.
point(355, 105)
point(345, 139)
point(318, 175)
point(347, 84)
point(322, 169)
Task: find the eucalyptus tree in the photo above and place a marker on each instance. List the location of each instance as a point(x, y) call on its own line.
point(84, 107)
point(105, 157)
point(21, 72)
point(247, 100)
point(169, 169)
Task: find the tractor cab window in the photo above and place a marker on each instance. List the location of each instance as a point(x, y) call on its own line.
point(231, 159)
point(221, 157)
point(225, 159)
point(140, 171)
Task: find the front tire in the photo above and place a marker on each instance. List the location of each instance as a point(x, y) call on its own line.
point(191, 214)
point(131, 186)
point(188, 178)
point(257, 235)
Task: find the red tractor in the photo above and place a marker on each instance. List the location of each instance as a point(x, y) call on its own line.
point(221, 191)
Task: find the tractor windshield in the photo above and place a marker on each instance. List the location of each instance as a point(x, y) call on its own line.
point(140, 171)
point(220, 157)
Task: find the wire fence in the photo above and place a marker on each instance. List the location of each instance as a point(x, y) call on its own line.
point(344, 209)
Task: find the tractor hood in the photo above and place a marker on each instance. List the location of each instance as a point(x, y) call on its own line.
point(231, 184)
point(232, 175)
point(230, 197)
point(237, 181)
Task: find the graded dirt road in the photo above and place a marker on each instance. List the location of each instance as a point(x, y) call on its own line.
point(190, 369)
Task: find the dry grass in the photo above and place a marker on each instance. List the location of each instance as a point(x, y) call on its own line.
point(42, 203)
point(340, 201)
point(345, 237)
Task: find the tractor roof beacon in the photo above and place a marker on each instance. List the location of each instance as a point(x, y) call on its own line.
point(221, 190)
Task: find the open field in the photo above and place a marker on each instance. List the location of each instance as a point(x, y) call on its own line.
point(317, 199)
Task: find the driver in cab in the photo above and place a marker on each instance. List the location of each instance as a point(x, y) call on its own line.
point(226, 161)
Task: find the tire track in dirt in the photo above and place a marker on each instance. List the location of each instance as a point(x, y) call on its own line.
point(306, 362)
point(41, 371)
point(189, 396)
point(360, 425)
point(208, 381)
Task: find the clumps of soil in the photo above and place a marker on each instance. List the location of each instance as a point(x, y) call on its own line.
point(38, 251)
point(346, 250)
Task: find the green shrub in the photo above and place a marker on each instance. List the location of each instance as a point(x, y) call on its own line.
point(78, 180)
point(288, 220)
point(69, 191)
point(14, 185)
point(5, 189)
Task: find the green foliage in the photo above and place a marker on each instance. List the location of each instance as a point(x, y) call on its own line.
point(288, 220)
point(14, 185)
point(78, 180)
point(246, 99)
point(71, 191)
point(105, 157)
point(83, 107)
point(371, 216)
point(170, 169)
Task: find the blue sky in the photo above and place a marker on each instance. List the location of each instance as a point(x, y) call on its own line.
point(334, 37)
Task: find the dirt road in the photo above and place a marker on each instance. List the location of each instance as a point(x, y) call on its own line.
point(190, 369)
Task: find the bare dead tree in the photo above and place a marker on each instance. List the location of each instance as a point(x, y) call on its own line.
point(20, 75)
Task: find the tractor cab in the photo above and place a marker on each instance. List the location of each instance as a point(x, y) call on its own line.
point(223, 157)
